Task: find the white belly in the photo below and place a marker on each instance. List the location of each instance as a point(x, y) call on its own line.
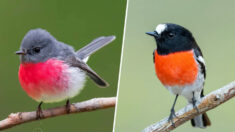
point(75, 82)
point(187, 90)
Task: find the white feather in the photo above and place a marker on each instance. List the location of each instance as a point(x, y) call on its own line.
point(76, 82)
point(200, 58)
point(160, 28)
point(86, 59)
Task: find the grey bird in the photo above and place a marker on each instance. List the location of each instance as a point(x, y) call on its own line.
point(52, 71)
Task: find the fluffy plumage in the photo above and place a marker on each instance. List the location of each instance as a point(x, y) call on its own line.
point(51, 70)
point(179, 65)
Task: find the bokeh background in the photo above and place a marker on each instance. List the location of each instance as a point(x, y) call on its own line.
point(142, 98)
point(74, 22)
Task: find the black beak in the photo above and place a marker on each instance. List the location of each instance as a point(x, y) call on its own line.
point(154, 34)
point(20, 53)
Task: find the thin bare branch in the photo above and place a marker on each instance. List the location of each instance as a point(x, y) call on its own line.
point(89, 105)
point(209, 102)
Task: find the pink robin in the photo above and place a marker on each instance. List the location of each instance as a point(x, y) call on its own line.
point(51, 71)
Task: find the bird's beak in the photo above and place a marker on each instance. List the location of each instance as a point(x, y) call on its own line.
point(20, 52)
point(155, 34)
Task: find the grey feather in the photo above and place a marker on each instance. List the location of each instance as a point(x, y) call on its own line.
point(198, 121)
point(76, 62)
point(49, 48)
point(93, 46)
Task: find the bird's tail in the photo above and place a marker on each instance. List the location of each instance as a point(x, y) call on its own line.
point(93, 46)
point(201, 121)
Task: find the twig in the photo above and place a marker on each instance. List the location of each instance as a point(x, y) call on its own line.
point(89, 105)
point(209, 102)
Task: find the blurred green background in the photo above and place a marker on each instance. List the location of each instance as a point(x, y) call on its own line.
point(142, 98)
point(74, 22)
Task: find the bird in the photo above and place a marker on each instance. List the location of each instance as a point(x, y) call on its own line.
point(180, 67)
point(52, 71)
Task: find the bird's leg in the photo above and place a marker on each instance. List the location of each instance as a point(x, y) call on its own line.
point(67, 106)
point(194, 101)
point(172, 115)
point(39, 111)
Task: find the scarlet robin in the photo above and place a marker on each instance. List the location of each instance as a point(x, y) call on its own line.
point(180, 66)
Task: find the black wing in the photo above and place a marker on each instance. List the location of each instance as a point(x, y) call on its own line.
point(93, 46)
point(76, 62)
point(200, 60)
point(154, 56)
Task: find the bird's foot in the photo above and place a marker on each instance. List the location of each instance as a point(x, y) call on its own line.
point(194, 105)
point(171, 117)
point(68, 106)
point(39, 113)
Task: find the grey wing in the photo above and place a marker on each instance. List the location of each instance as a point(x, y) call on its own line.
point(76, 62)
point(93, 46)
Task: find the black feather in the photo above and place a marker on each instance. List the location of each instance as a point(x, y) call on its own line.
point(198, 53)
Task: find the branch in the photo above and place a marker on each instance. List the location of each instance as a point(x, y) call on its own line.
point(89, 105)
point(209, 102)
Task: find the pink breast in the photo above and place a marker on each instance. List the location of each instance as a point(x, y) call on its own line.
point(43, 78)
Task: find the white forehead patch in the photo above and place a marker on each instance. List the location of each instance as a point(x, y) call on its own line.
point(160, 28)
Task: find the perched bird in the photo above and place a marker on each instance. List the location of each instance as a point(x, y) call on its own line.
point(51, 71)
point(180, 66)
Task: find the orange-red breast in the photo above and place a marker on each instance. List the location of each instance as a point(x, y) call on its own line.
point(180, 66)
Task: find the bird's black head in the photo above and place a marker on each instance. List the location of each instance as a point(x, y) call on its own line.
point(38, 45)
point(171, 38)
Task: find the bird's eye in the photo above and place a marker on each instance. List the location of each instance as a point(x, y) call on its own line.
point(171, 35)
point(37, 49)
